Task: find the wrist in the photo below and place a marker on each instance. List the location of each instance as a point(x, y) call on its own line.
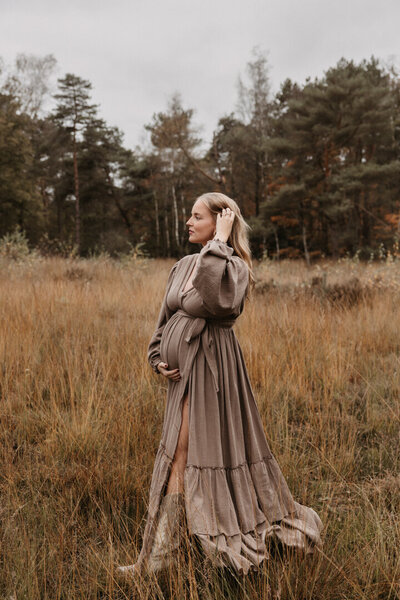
point(217, 237)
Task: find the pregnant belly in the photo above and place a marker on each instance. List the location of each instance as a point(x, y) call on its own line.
point(173, 347)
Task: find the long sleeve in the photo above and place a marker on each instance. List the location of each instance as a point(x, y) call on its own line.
point(221, 279)
point(153, 351)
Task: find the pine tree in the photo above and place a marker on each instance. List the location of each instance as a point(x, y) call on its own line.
point(337, 168)
point(74, 112)
point(19, 200)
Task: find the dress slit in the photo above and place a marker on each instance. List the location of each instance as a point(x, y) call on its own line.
point(171, 457)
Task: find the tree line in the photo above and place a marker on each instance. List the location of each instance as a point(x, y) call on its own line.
point(313, 167)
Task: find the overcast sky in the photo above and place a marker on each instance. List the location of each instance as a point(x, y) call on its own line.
point(137, 53)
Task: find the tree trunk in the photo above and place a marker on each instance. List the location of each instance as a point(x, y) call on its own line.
point(366, 222)
point(261, 162)
point(103, 225)
point(122, 211)
point(232, 178)
point(183, 219)
point(304, 236)
point(257, 190)
point(166, 226)
point(325, 236)
point(157, 223)
point(356, 221)
point(176, 219)
point(77, 207)
point(58, 206)
point(276, 243)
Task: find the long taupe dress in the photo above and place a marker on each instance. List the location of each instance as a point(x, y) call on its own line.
point(235, 493)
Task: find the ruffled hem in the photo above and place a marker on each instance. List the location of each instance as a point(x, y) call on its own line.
point(231, 500)
point(247, 551)
point(233, 510)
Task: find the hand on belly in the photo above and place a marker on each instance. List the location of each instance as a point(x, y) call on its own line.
point(165, 370)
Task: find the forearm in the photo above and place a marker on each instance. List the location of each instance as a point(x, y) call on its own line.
point(221, 278)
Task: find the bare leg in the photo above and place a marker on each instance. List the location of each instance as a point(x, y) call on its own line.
point(175, 482)
point(167, 533)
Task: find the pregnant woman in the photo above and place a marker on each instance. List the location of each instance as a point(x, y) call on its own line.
point(213, 460)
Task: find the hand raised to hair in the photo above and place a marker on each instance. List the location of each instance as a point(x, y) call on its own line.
point(224, 224)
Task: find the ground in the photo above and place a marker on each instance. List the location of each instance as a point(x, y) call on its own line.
point(82, 412)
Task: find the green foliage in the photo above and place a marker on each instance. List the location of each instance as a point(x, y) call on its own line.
point(19, 199)
point(56, 247)
point(337, 160)
point(314, 168)
point(15, 246)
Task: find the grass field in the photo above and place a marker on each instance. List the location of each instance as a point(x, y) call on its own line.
point(81, 416)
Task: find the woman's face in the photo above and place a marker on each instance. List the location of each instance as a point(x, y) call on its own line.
point(201, 224)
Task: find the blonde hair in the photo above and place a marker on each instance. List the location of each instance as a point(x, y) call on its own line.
point(238, 239)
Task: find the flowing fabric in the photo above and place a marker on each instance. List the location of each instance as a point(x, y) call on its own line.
point(235, 493)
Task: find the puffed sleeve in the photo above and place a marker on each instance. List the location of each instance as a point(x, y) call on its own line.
point(153, 351)
point(221, 279)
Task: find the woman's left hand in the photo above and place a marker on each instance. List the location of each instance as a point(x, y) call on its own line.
point(224, 224)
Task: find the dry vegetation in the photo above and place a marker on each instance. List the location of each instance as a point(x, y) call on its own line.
point(81, 416)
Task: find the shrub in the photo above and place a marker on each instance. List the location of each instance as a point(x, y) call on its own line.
point(15, 246)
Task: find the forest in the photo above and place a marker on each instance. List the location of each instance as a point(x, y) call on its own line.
point(314, 167)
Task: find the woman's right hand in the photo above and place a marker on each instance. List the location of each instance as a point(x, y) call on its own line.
point(224, 224)
point(174, 375)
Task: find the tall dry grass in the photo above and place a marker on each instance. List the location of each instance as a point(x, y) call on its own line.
point(81, 416)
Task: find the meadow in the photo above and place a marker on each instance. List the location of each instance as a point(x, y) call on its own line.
point(81, 416)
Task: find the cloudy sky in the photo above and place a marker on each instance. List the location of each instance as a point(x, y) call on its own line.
point(137, 53)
